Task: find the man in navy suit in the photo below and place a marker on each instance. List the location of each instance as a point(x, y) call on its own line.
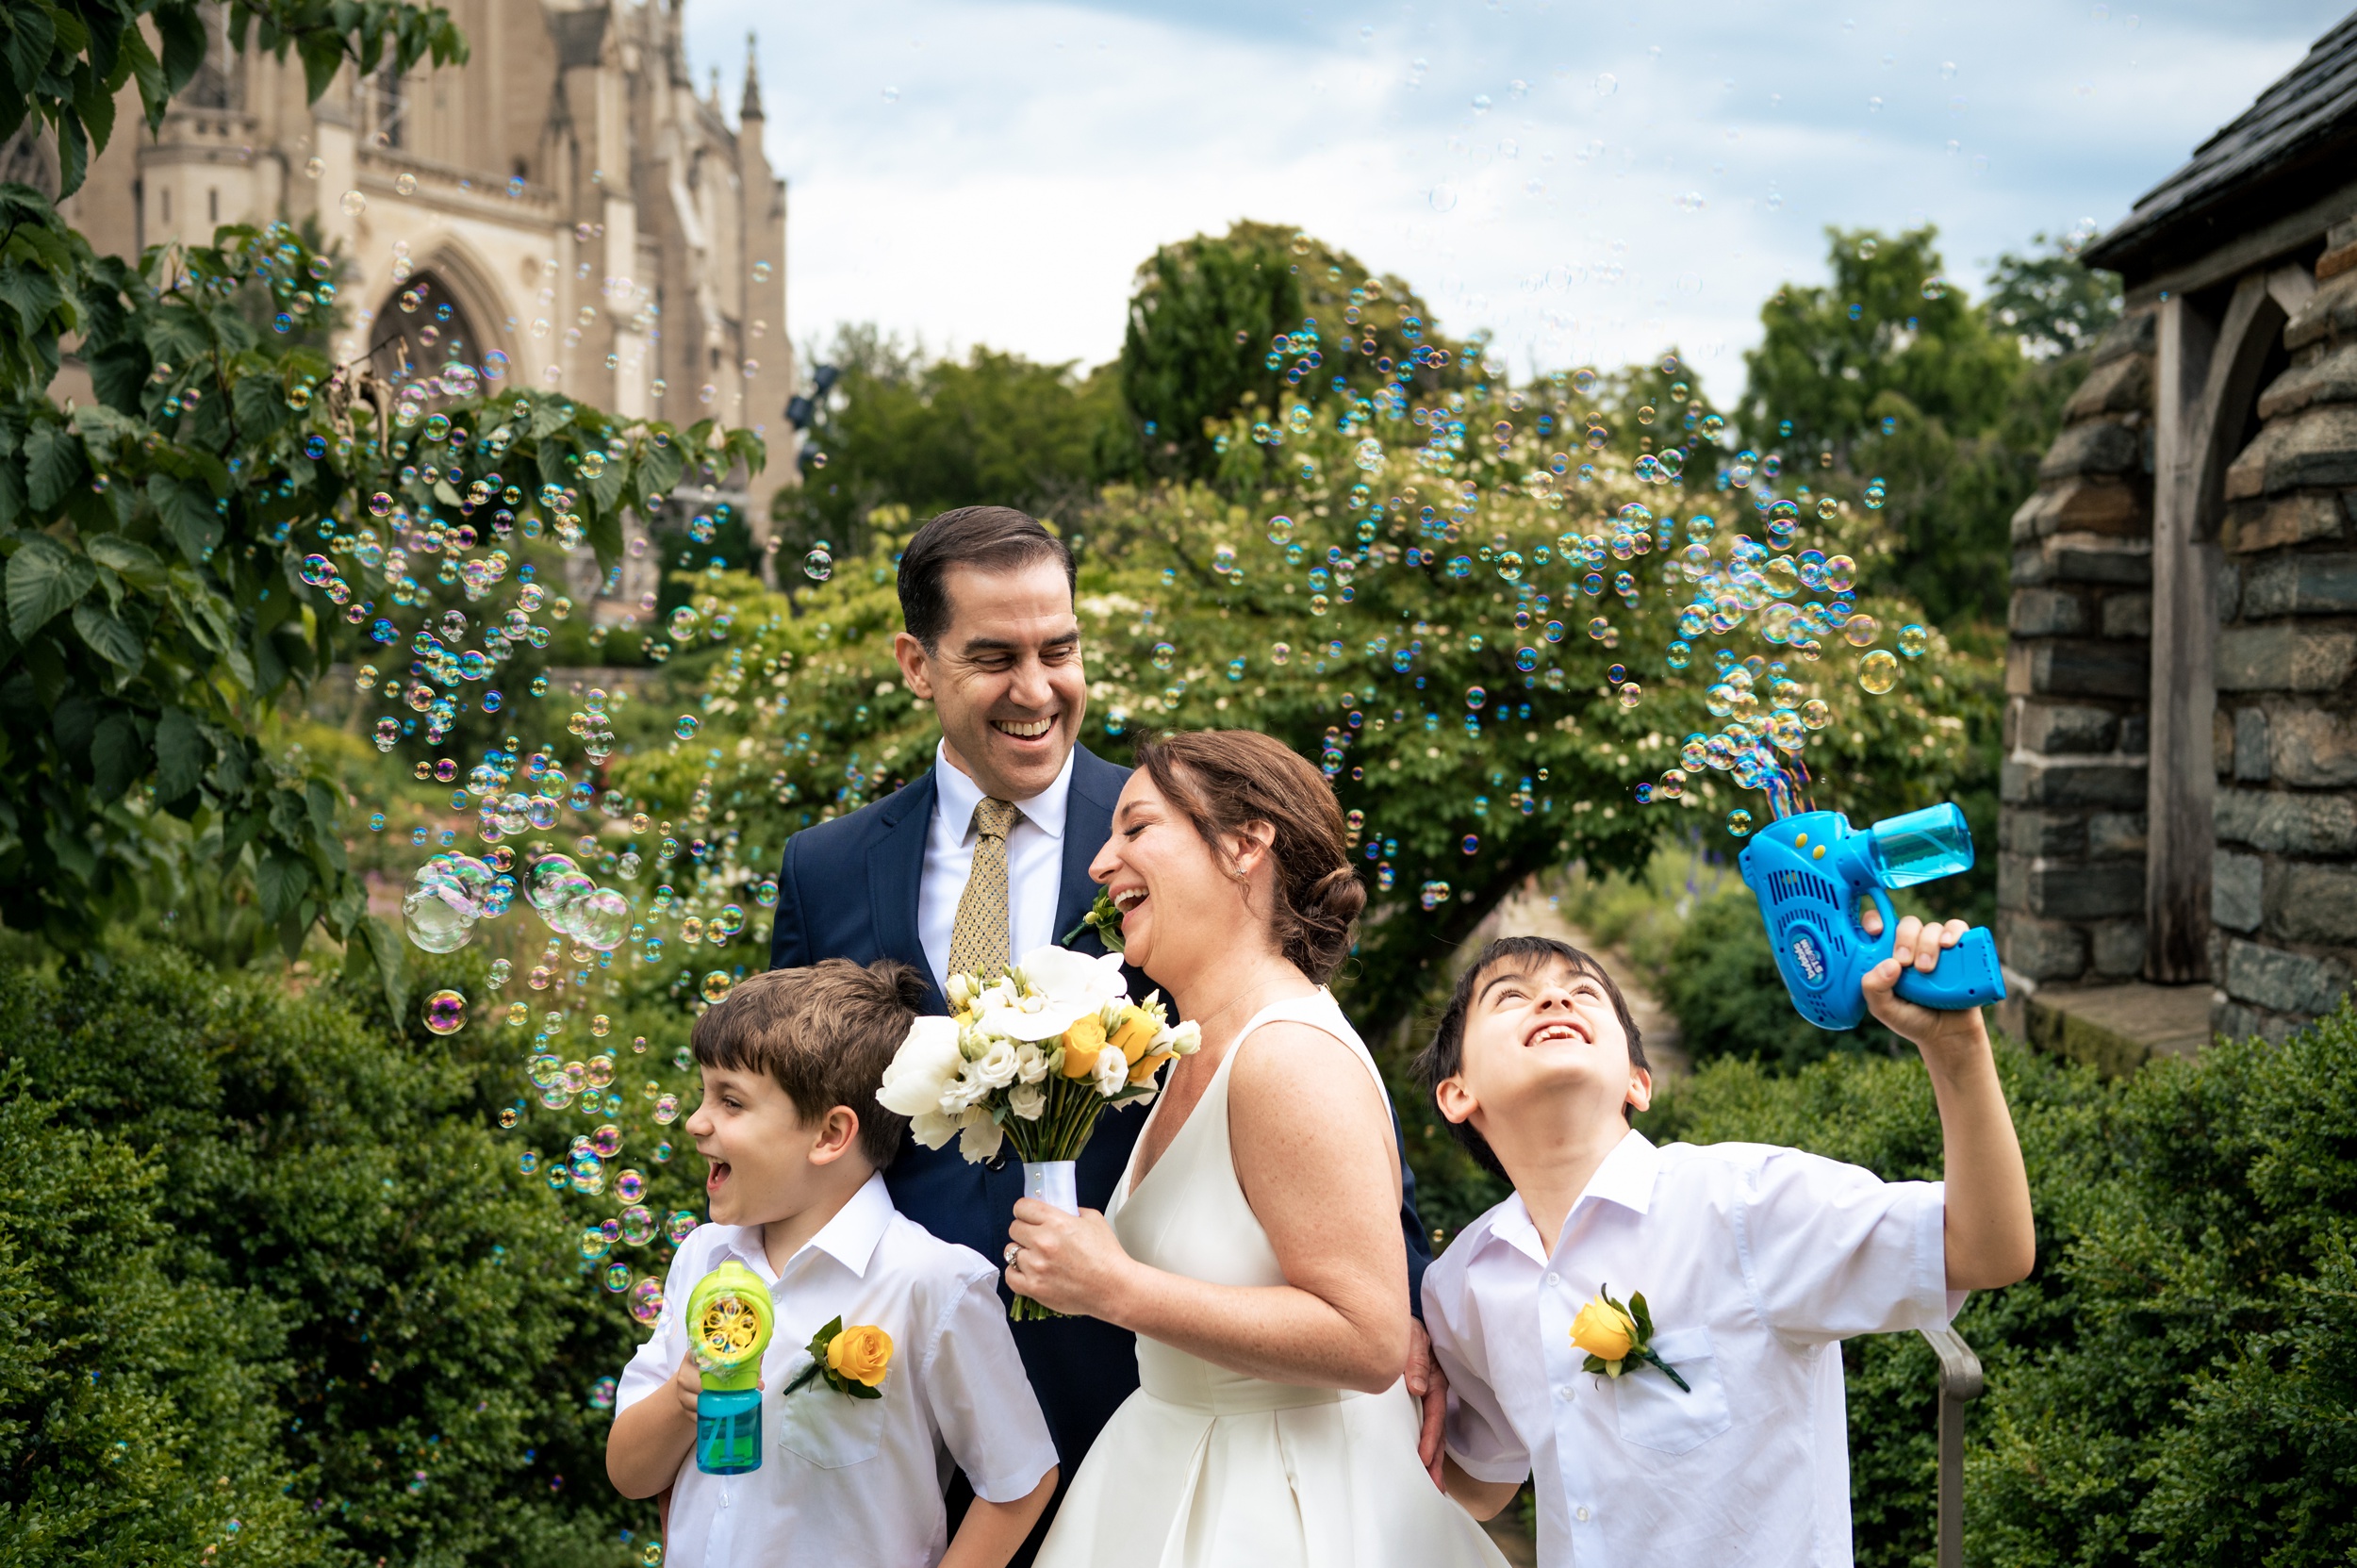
point(1014, 800)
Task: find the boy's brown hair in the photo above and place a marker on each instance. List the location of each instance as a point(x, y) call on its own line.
point(1446, 1056)
point(825, 1033)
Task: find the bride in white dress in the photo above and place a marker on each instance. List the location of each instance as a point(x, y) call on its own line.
point(1253, 1243)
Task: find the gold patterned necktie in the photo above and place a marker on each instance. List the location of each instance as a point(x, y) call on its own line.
point(978, 943)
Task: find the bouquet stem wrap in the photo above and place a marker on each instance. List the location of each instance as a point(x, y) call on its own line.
point(1032, 1059)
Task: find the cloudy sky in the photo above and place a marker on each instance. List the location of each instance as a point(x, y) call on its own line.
point(1592, 183)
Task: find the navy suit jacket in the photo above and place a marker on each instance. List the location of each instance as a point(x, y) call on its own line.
point(849, 889)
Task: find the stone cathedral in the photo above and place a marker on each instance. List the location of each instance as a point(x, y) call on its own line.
point(566, 207)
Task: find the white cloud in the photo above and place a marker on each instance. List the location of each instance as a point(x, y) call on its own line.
point(1031, 155)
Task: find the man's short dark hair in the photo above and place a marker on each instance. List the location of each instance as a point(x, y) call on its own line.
point(1446, 1056)
point(988, 538)
point(825, 1033)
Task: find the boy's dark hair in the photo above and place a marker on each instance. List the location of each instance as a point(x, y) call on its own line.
point(825, 1033)
point(988, 538)
point(1446, 1056)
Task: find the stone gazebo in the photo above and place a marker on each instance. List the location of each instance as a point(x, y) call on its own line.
point(2178, 852)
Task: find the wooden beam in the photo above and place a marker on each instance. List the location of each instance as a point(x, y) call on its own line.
point(2207, 382)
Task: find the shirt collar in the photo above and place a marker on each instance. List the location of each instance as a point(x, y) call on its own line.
point(1626, 1177)
point(956, 795)
point(850, 1238)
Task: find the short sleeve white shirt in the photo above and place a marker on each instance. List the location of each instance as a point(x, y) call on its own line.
point(1756, 1262)
point(1035, 863)
point(856, 1480)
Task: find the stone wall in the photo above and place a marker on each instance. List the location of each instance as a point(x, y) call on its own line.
point(2072, 843)
point(2285, 883)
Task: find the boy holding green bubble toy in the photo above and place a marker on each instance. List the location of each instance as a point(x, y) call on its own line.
point(819, 1359)
point(1652, 1335)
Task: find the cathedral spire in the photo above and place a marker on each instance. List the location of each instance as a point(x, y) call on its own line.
point(750, 107)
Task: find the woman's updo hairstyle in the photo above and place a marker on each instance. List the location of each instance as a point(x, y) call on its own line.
point(1225, 780)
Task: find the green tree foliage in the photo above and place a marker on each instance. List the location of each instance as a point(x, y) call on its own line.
point(165, 587)
point(274, 1238)
point(2052, 302)
point(1891, 374)
point(899, 429)
point(2174, 1384)
point(1221, 326)
point(65, 62)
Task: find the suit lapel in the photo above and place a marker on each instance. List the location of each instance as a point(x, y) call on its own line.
point(896, 865)
point(1088, 821)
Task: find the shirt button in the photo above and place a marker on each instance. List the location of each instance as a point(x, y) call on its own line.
point(1564, 1393)
point(1553, 1279)
point(1581, 1515)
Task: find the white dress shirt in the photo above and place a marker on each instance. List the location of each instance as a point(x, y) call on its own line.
point(1756, 1262)
point(1035, 863)
point(844, 1480)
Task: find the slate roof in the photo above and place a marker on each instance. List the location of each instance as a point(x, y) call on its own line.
point(2296, 143)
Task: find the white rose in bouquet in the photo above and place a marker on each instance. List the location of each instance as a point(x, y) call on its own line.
point(1027, 1100)
point(926, 1063)
point(997, 1065)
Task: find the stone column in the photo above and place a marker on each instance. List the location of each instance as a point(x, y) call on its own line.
point(2285, 883)
point(2071, 836)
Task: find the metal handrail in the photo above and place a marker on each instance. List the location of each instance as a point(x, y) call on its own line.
point(1961, 1383)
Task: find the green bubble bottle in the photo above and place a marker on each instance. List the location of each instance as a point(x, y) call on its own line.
point(732, 1318)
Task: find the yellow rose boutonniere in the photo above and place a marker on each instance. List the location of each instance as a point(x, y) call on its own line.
point(853, 1360)
point(1135, 1033)
point(1612, 1334)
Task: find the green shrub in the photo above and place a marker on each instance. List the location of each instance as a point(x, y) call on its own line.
point(135, 1407)
point(1722, 984)
point(405, 1310)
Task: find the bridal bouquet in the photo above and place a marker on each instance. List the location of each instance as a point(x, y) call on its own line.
point(1033, 1059)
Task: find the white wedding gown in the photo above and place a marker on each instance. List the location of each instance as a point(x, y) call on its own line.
point(1206, 1468)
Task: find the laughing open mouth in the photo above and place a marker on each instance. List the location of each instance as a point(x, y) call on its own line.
point(1556, 1032)
point(1023, 729)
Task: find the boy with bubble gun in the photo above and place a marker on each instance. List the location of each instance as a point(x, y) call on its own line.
point(882, 1352)
point(1651, 1334)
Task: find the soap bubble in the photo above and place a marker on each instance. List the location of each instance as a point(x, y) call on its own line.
point(717, 986)
point(445, 1013)
point(1472, 845)
point(679, 1224)
point(444, 902)
point(646, 1305)
point(1280, 529)
point(683, 624)
point(1878, 671)
point(1738, 822)
point(1913, 639)
point(818, 566)
point(616, 1278)
point(1475, 697)
point(685, 726)
point(1433, 895)
point(638, 1224)
point(1674, 783)
point(666, 1108)
point(1840, 573)
point(501, 969)
point(1631, 695)
point(1815, 713)
point(606, 1140)
point(1165, 655)
point(1860, 629)
point(599, 919)
point(629, 1186)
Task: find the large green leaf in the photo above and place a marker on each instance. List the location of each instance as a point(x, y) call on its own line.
point(44, 578)
point(109, 637)
point(280, 880)
point(134, 561)
point(53, 463)
point(180, 755)
point(116, 754)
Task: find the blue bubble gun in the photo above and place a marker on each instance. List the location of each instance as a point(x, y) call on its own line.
point(1810, 874)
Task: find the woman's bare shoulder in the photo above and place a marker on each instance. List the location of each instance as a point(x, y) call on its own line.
point(1286, 1070)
